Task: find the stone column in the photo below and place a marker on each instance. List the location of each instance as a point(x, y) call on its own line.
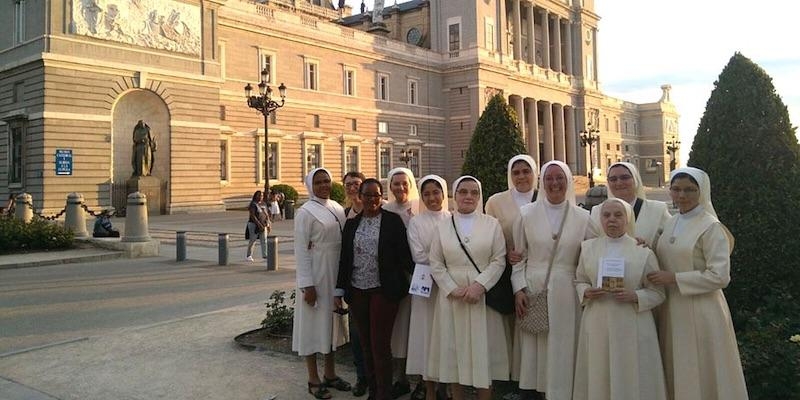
point(533, 129)
point(545, 39)
point(557, 65)
point(548, 131)
point(570, 67)
point(517, 30)
point(75, 218)
point(23, 207)
point(136, 228)
point(558, 133)
point(519, 108)
point(531, 35)
point(572, 139)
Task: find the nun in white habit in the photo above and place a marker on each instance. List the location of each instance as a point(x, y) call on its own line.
point(546, 362)
point(468, 347)
point(618, 354)
point(624, 182)
point(317, 243)
point(698, 343)
point(421, 231)
point(403, 200)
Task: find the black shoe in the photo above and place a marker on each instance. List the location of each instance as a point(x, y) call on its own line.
point(360, 388)
point(400, 388)
point(419, 391)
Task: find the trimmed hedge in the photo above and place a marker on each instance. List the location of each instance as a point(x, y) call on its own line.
point(40, 234)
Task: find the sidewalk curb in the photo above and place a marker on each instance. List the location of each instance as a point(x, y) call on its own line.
point(111, 255)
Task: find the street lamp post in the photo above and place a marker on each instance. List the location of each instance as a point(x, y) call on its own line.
point(264, 104)
point(673, 146)
point(660, 171)
point(406, 156)
point(588, 137)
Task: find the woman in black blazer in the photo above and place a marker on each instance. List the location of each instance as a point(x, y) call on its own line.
point(374, 271)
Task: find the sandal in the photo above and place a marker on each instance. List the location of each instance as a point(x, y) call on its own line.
point(338, 384)
point(319, 391)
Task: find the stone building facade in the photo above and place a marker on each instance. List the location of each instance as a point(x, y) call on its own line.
point(76, 76)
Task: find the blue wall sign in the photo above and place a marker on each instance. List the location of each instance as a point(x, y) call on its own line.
point(63, 161)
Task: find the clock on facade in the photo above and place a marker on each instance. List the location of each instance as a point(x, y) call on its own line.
point(414, 36)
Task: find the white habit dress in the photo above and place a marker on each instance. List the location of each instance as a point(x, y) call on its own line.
point(698, 343)
point(468, 345)
point(546, 362)
point(317, 243)
point(618, 354)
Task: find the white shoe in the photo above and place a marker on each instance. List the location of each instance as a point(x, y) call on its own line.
point(249, 258)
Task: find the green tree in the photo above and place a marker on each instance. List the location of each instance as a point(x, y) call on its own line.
point(748, 147)
point(496, 139)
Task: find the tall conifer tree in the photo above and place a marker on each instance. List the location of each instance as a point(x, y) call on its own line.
point(496, 139)
point(748, 147)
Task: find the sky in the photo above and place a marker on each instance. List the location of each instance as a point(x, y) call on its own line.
point(687, 43)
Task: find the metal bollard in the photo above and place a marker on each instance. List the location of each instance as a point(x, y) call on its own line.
point(272, 253)
point(223, 249)
point(180, 246)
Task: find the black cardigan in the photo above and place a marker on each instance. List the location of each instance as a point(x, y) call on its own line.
point(394, 256)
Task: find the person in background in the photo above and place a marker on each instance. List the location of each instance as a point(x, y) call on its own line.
point(403, 200)
point(374, 271)
point(624, 182)
point(352, 182)
point(8, 209)
point(549, 231)
point(258, 225)
point(698, 343)
point(468, 346)
point(274, 208)
point(319, 324)
point(102, 224)
point(421, 231)
point(618, 354)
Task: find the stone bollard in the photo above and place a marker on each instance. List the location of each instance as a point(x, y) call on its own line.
point(223, 248)
point(23, 208)
point(136, 229)
point(180, 245)
point(272, 253)
point(75, 219)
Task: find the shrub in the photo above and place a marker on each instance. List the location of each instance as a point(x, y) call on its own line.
point(337, 192)
point(39, 234)
point(496, 140)
point(289, 192)
point(280, 313)
point(748, 147)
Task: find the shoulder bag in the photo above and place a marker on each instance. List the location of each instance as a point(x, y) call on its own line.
point(500, 297)
point(537, 319)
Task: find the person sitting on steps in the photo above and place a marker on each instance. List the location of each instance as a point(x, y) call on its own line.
point(102, 225)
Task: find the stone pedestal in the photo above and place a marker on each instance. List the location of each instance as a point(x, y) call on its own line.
point(150, 186)
point(75, 219)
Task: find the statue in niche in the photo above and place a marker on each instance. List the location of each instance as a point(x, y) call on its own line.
point(144, 149)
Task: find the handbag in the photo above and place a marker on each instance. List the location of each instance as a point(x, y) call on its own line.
point(501, 296)
point(537, 316)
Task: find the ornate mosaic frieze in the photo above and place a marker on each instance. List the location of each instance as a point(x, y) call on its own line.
point(157, 24)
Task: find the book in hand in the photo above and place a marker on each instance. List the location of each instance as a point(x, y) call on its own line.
point(421, 281)
point(611, 274)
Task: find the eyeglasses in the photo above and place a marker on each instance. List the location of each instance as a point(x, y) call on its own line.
point(623, 178)
point(556, 179)
point(351, 184)
point(466, 192)
point(371, 195)
point(689, 190)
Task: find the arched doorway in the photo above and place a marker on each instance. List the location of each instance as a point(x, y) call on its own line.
point(130, 107)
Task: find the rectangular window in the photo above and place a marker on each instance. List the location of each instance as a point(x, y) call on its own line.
point(385, 162)
point(351, 158)
point(273, 161)
point(454, 37)
point(412, 130)
point(606, 120)
point(383, 127)
point(222, 113)
point(16, 146)
point(267, 60)
point(351, 124)
point(312, 75)
point(626, 148)
point(617, 147)
point(413, 163)
point(313, 156)
point(223, 160)
point(383, 87)
point(608, 146)
point(18, 95)
point(313, 120)
point(273, 118)
point(349, 82)
point(412, 91)
point(489, 35)
point(19, 21)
